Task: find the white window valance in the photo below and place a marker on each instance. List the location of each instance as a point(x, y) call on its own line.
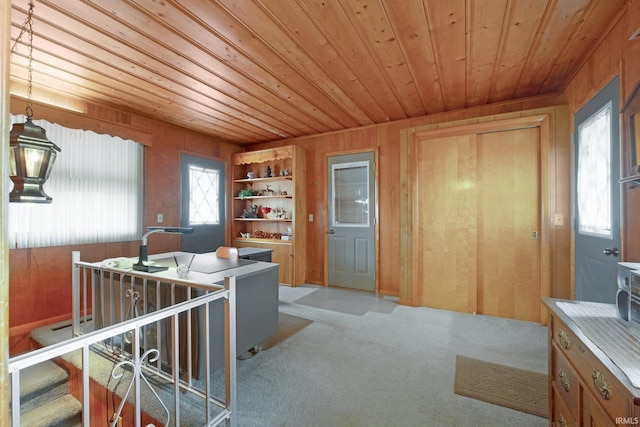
point(97, 190)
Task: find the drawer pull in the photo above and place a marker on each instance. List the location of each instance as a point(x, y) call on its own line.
point(564, 339)
point(601, 384)
point(562, 422)
point(564, 380)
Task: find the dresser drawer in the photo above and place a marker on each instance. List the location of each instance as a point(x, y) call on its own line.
point(566, 382)
point(561, 416)
point(563, 337)
point(611, 395)
point(594, 415)
point(605, 388)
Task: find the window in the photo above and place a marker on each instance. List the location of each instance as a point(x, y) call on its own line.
point(204, 199)
point(594, 174)
point(350, 194)
point(97, 190)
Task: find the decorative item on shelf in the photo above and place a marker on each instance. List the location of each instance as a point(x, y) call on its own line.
point(266, 192)
point(250, 213)
point(267, 172)
point(264, 235)
point(284, 172)
point(245, 235)
point(265, 211)
point(31, 154)
point(250, 174)
point(246, 192)
point(279, 213)
point(288, 235)
point(283, 193)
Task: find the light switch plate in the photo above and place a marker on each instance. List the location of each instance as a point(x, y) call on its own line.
point(559, 219)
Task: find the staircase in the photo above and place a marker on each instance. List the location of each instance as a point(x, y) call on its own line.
point(45, 398)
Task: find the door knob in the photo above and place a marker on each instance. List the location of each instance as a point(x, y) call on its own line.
point(608, 251)
point(332, 232)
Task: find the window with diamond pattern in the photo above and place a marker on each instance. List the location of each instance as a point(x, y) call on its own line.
point(204, 198)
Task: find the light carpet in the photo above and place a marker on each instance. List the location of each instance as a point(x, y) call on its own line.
point(381, 368)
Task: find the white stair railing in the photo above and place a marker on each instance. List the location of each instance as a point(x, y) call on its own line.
point(133, 334)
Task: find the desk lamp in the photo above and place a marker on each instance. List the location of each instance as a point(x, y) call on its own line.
point(143, 255)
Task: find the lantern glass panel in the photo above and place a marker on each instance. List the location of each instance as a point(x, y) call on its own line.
point(52, 160)
point(12, 162)
point(33, 161)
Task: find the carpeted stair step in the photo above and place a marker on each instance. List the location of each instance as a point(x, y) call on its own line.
point(42, 383)
point(64, 411)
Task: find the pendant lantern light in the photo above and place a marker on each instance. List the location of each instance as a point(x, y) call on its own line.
point(31, 154)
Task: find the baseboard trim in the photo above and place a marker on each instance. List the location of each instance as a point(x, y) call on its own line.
point(28, 327)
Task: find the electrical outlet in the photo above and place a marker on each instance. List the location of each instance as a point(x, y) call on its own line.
point(160, 218)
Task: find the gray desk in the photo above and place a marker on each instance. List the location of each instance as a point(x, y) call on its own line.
point(256, 301)
point(256, 254)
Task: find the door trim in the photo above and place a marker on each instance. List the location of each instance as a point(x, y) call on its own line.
point(376, 228)
point(408, 229)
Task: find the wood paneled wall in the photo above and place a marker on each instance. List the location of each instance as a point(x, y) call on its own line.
point(386, 137)
point(40, 278)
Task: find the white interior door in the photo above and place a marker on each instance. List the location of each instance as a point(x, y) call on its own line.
point(597, 201)
point(351, 238)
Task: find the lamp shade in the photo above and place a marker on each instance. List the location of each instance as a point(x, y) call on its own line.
point(31, 158)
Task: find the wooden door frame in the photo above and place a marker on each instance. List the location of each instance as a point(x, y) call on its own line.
point(410, 138)
point(376, 228)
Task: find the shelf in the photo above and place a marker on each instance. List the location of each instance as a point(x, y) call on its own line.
point(264, 219)
point(284, 194)
point(257, 240)
point(273, 178)
point(277, 196)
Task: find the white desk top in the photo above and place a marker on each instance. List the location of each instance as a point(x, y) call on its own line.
point(206, 268)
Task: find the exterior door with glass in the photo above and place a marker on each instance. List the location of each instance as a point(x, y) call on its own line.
point(202, 203)
point(597, 201)
point(351, 238)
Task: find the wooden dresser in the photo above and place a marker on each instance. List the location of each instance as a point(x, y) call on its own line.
point(586, 388)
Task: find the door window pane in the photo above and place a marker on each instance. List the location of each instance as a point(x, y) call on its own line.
point(204, 198)
point(350, 194)
point(594, 176)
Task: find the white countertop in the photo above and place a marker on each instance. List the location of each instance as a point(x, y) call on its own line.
point(206, 268)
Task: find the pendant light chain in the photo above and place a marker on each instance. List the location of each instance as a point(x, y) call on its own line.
point(29, 110)
point(28, 25)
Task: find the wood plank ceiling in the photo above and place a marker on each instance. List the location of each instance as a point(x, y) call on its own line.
point(250, 71)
